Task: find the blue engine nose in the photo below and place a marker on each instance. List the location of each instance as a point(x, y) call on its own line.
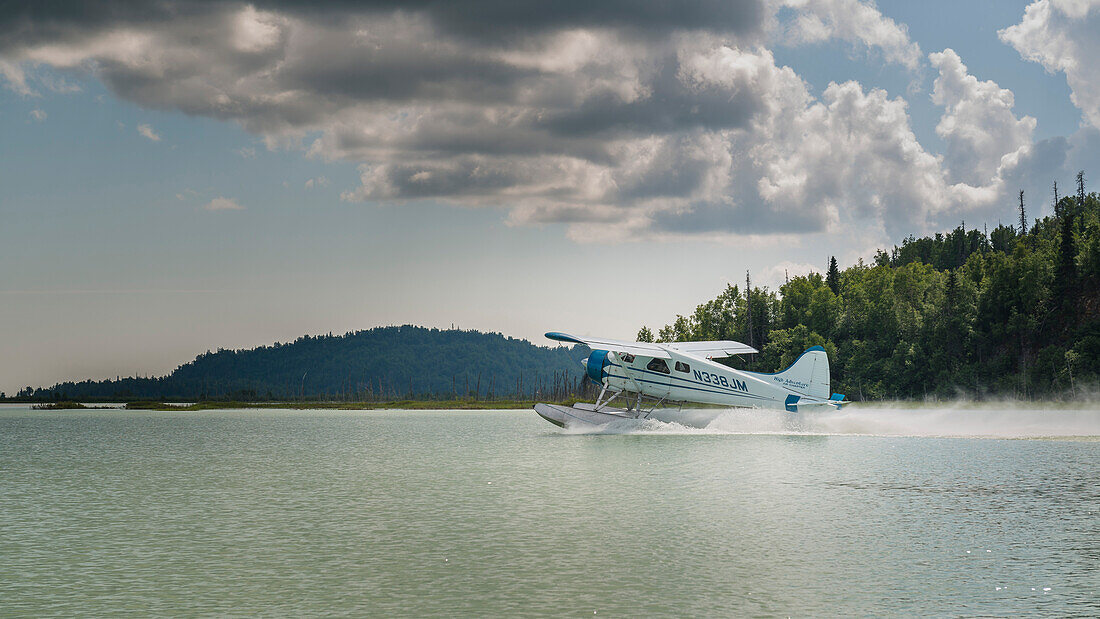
point(597, 365)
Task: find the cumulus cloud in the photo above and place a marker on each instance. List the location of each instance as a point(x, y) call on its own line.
point(319, 182)
point(38, 115)
point(658, 120)
point(222, 204)
point(147, 132)
point(1062, 36)
point(854, 21)
point(978, 126)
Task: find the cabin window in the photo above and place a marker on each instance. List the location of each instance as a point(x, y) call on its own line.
point(627, 358)
point(682, 367)
point(658, 365)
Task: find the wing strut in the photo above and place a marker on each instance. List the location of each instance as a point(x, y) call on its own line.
point(627, 372)
point(599, 405)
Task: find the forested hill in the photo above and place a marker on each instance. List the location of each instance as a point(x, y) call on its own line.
point(380, 363)
point(1015, 312)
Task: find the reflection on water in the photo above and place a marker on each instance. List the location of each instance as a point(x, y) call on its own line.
point(476, 512)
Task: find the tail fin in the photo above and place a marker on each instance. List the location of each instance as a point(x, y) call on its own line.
point(808, 375)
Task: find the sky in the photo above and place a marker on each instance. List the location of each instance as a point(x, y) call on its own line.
point(186, 176)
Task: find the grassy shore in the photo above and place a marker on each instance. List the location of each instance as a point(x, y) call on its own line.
point(65, 406)
point(462, 404)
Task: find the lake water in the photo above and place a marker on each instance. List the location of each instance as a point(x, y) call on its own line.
point(881, 512)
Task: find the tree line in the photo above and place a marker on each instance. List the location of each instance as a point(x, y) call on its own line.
point(380, 364)
point(1010, 312)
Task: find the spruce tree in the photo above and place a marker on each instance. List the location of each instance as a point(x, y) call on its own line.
point(1023, 215)
point(832, 276)
point(748, 306)
point(1065, 274)
point(1080, 192)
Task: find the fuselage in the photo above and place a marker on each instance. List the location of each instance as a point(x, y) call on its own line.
point(685, 378)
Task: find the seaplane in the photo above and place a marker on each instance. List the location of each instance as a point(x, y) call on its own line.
point(657, 379)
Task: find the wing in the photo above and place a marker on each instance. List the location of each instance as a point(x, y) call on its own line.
point(644, 349)
point(712, 350)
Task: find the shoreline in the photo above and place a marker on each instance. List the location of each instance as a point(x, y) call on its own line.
point(472, 404)
point(293, 405)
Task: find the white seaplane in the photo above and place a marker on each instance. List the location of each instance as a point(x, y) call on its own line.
point(675, 373)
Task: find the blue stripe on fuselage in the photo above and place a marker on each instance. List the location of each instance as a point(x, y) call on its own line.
point(653, 382)
point(720, 383)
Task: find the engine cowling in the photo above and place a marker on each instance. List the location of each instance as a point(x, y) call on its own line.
point(597, 365)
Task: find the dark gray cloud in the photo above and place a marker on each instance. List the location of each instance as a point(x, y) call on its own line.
point(509, 19)
point(30, 23)
point(400, 68)
point(504, 18)
point(477, 19)
point(660, 117)
point(670, 107)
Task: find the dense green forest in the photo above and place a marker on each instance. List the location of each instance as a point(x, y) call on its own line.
point(378, 364)
point(1015, 312)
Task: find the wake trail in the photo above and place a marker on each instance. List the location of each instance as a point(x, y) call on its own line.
point(944, 422)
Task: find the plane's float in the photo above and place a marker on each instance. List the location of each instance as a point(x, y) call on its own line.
point(668, 375)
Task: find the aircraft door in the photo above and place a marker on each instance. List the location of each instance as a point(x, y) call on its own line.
point(658, 376)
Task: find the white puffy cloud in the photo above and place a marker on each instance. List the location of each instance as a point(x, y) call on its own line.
point(147, 132)
point(1062, 35)
point(851, 158)
point(978, 126)
point(39, 115)
point(853, 21)
point(854, 151)
point(222, 204)
point(319, 182)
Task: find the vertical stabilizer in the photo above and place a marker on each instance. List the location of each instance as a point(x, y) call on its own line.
point(808, 375)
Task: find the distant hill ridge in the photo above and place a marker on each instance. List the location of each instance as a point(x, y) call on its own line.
point(379, 363)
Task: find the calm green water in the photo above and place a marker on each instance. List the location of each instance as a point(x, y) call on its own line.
point(500, 513)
